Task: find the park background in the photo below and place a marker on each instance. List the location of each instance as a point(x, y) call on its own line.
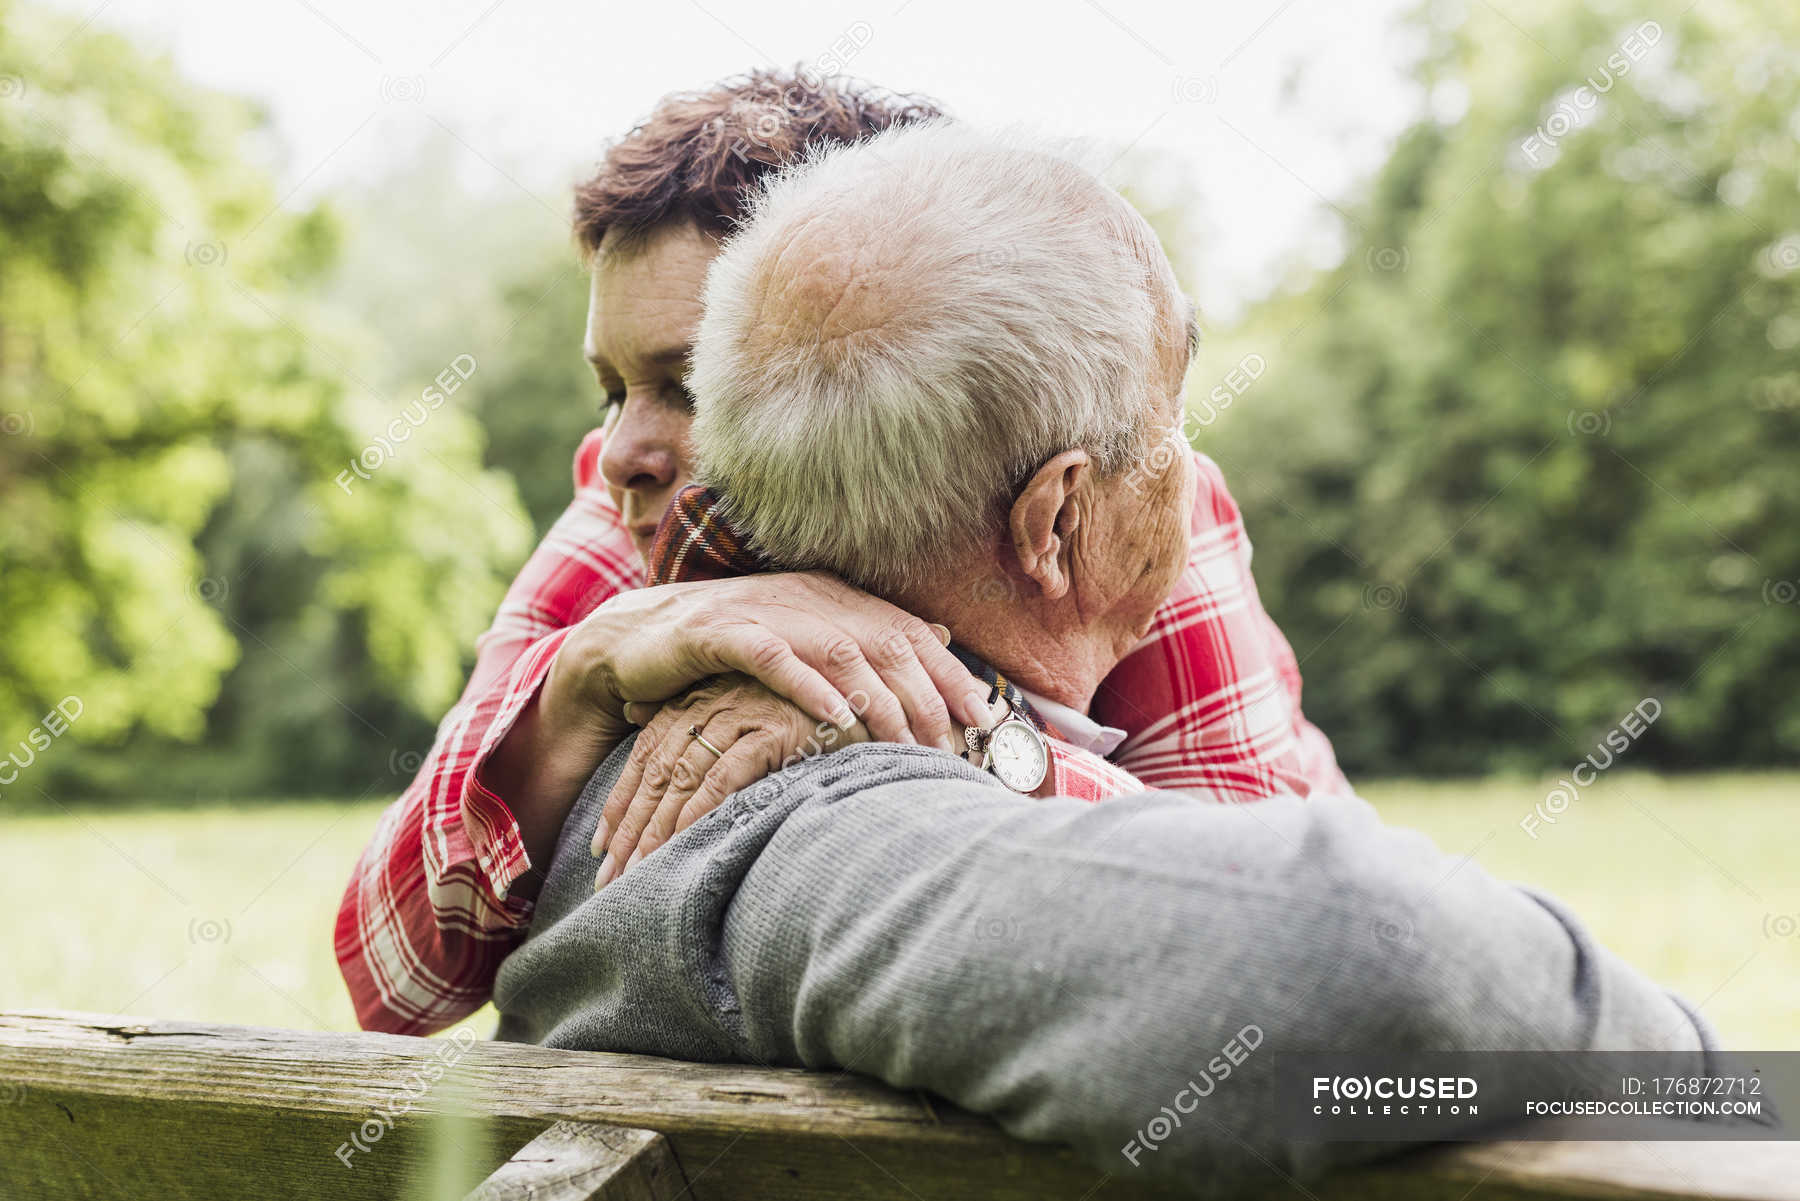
point(1501, 301)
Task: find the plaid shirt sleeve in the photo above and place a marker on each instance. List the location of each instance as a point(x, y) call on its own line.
point(1210, 699)
point(426, 918)
point(1086, 776)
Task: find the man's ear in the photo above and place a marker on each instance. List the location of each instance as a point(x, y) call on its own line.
point(1043, 517)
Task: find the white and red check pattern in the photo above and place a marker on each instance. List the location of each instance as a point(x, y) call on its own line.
point(1210, 702)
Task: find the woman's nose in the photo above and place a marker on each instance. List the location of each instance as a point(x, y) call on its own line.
point(642, 451)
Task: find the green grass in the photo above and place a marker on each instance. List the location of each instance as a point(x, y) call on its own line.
point(219, 913)
point(1690, 878)
point(225, 913)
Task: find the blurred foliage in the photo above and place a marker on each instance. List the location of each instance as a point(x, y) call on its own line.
point(178, 407)
point(1527, 455)
point(444, 271)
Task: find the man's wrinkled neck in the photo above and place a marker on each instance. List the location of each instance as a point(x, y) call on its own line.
point(1045, 647)
point(1069, 676)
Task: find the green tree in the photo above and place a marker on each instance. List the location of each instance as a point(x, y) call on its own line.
point(444, 270)
point(1526, 456)
point(167, 371)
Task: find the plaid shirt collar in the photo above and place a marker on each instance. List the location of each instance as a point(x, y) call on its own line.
point(696, 541)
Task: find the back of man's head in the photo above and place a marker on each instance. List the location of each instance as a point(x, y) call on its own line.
point(905, 329)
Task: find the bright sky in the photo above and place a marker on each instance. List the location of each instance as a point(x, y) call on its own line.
point(1267, 109)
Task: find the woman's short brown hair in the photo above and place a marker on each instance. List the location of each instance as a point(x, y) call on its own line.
point(698, 154)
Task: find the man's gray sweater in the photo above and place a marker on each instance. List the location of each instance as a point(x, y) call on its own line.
point(1064, 967)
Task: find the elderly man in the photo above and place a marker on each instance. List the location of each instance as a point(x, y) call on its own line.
point(984, 328)
point(949, 373)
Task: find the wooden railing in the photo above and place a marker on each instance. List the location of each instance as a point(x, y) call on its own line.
point(115, 1108)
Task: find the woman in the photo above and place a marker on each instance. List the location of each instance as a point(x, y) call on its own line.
point(444, 890)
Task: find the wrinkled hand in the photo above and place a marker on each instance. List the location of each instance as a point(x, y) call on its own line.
point(672, 780)
point(833, 650)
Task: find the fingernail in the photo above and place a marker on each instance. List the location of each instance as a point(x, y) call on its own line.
point(943, 633)
point(602, 836)
point(608, 870)
point(952, 744)
point(976, 704)
point(632, 862)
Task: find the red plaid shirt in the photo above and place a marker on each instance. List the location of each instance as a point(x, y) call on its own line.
point(1210, 702)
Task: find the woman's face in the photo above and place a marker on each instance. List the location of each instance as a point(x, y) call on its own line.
point(643, 311)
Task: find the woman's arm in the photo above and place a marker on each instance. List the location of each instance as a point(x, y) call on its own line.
point(427, 915)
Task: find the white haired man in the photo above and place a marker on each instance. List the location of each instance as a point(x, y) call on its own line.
point(894, 910)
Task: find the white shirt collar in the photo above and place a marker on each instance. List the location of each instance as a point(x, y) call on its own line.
point(1077, 728)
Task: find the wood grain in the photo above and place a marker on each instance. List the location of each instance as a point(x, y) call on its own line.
point(109, 1107)
point(587, 1161)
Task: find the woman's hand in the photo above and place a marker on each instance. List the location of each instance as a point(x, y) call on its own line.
point(805, 636)
point(673, 779)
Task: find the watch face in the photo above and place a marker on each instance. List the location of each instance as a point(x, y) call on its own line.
point(1018, 754)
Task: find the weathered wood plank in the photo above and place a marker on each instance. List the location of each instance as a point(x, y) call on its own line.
point(586, 1161)
point(183, 1109)
point(104, 1107)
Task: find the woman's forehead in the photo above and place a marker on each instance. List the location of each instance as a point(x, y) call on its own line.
point(644, 300)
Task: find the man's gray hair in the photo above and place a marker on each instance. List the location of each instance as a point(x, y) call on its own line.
point(905, 329)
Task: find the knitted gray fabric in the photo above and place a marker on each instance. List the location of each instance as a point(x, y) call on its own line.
point(1064, 967)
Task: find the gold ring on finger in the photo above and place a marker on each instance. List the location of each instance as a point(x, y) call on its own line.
point(697, 736)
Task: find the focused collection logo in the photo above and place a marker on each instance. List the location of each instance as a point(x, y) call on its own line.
point(1367, 1096)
